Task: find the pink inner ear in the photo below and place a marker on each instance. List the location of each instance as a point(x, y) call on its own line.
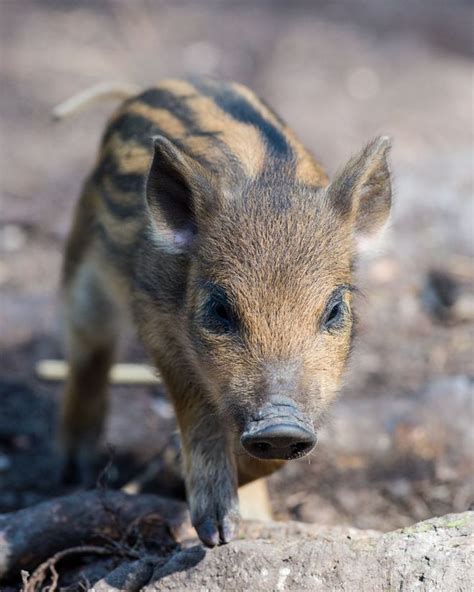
point(182, 238)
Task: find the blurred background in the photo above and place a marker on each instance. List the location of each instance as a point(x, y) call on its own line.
point(398, 446)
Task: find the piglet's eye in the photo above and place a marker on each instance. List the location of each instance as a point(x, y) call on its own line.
point(219, 316)
point(221, 312)
point(334, 315)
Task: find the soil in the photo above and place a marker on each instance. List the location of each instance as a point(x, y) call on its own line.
point(398, 446)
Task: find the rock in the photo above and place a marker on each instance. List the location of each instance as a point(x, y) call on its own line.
point(433, 555)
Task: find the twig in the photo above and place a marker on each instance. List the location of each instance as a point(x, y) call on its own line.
point(54, 579)
point(39, 575)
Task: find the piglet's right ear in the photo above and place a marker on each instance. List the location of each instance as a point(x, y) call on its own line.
point(178, 190)
point(363, 189)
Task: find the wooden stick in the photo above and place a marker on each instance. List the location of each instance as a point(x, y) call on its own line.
point(120, 374)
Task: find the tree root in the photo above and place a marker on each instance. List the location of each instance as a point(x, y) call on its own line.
point(112, 521)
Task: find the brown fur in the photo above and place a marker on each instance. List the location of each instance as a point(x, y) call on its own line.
point(224, 198)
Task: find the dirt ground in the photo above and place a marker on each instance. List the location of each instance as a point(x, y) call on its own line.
point(398, 447)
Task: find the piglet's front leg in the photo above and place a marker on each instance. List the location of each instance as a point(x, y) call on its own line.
point(210, 475)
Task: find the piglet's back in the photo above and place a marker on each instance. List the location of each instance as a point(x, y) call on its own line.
point(223, 125)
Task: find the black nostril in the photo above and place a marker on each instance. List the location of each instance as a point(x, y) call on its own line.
point(263, 446)
point(300, 447)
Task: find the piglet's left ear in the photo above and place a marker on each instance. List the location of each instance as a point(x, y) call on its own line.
point(180, 193)
point(363, 190)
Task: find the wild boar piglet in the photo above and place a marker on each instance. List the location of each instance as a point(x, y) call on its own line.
point(208, 221)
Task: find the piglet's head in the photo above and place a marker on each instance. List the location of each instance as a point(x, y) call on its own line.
point(268, 320)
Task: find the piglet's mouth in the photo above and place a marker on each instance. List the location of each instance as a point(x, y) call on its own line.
point(278, 432)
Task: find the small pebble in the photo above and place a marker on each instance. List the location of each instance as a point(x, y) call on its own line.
point(163, 408)
point(12, 238)
point(5, 462)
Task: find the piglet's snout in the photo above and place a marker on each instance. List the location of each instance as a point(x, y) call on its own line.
point(278, 432)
